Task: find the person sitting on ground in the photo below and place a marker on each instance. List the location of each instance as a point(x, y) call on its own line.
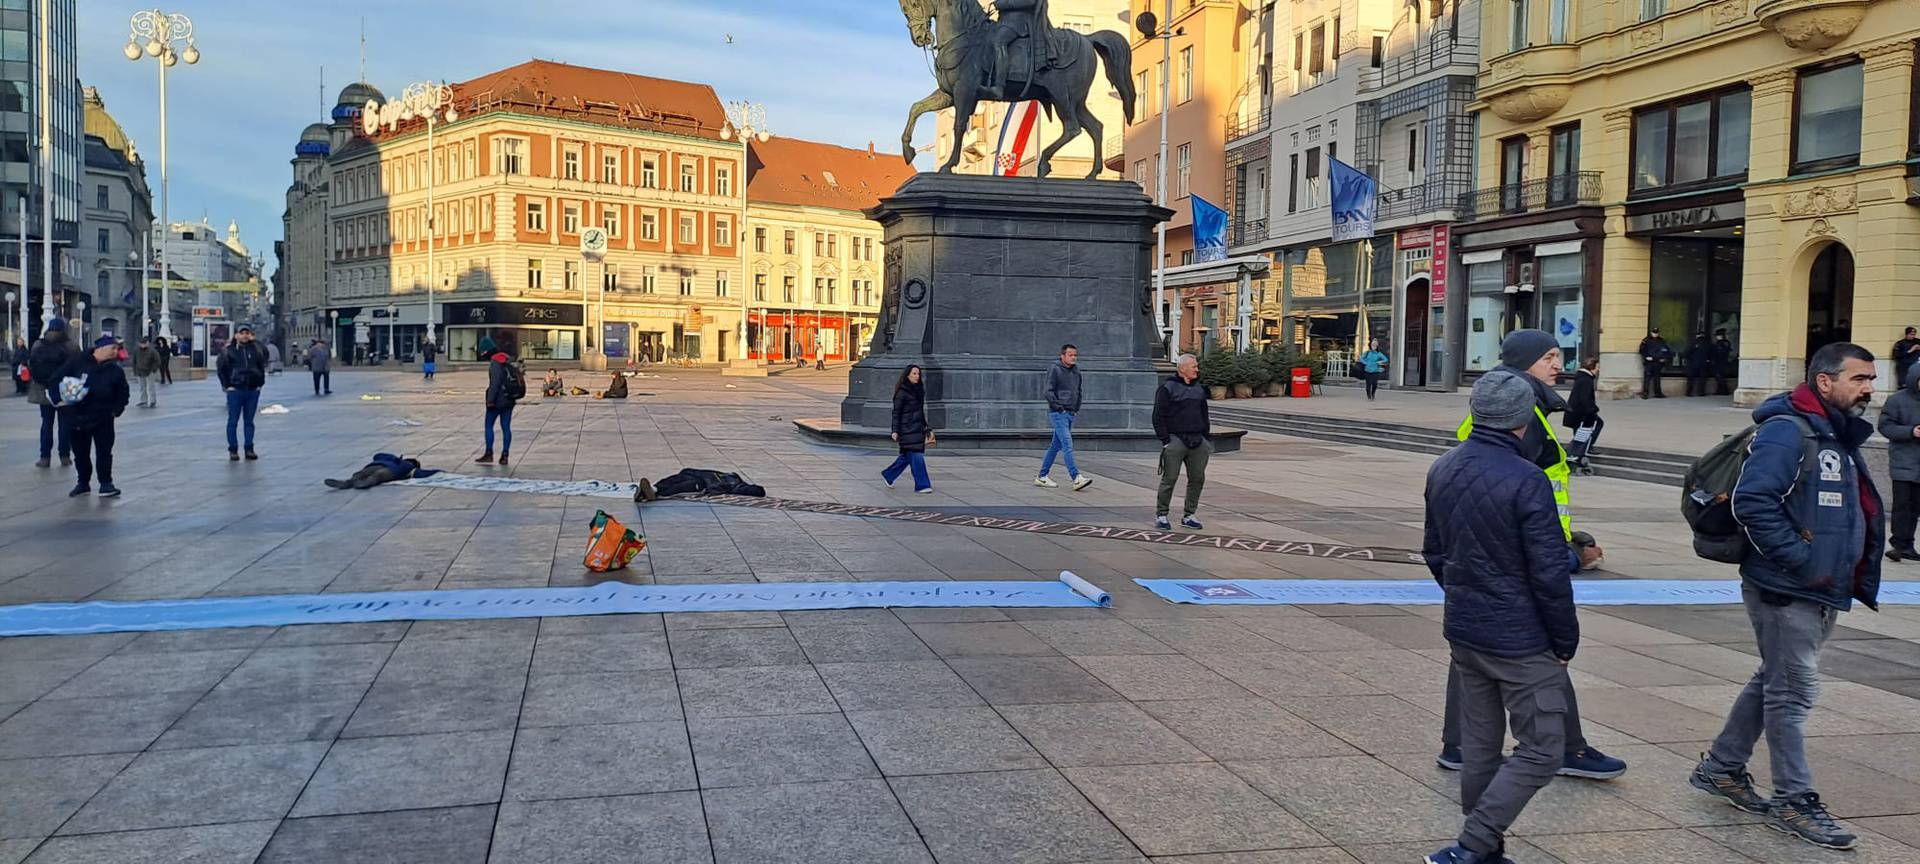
point(385, 468)
point(553, 385)
point(617, 388)
point(699, 481)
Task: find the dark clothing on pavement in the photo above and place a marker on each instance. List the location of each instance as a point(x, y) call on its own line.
point(703, 481)
point(1063, 388)
point(385, 468)
point(616, 388)
point(1180, 411)
point(1815, 524)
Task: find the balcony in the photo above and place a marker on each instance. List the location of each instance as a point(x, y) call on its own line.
point(1242, 125)
point(1430, 197)
point(1245, 233)
point(1114, 151)
point(1436, 50)
point(1533, 196)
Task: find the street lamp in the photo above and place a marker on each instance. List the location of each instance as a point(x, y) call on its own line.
point(433, 103)
point(748, 121)
point(10, 334)
point(393, 347)
point(152, 33)
point(80, 320)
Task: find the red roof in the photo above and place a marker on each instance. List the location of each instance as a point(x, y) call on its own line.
point(808, 173)
point(587, 95)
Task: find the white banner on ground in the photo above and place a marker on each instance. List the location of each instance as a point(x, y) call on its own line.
point(469, 483)
point(1424, 592)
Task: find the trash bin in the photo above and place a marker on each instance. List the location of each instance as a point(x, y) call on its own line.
point(1302, 383)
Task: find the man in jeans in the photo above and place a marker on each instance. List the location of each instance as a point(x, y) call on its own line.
point(1063, 402)
point(243, 371)
point(1180, 421)
point(1494, 541)
point(1813, 517)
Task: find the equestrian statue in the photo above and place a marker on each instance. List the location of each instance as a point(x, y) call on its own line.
point(1018, 56)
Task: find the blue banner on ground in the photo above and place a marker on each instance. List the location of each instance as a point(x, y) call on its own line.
point(1353, 200)
point(606, 598)
point(1209, 231)
point(472, 483)
point(1424, 592)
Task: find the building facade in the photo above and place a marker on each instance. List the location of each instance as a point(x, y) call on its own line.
point(221, 282)
point(22, 106)
point(302, 274)
point(115, 228)
point(1697, 167)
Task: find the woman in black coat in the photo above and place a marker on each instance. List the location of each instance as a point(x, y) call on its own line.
point(910, 431)
point(1583, 409)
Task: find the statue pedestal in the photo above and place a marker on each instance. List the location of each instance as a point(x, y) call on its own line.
point(986, 277)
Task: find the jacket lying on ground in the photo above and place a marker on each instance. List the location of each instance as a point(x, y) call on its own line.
point(1897, 419)
point(1180, 411)
point(243, 366)
point(1494, 542)
point(107, 392)
point(1063, 387)
point(704, 481)
point(402, 467)
point(1816, 528)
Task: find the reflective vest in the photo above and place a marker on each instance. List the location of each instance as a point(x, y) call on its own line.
point(1559, 473)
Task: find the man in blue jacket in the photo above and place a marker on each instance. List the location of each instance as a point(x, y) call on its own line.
point(1813, 517)
point(1493, 539)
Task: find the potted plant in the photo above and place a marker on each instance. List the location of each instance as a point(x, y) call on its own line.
point(1217, 373)
point(1254, 373)
point(1278, 361)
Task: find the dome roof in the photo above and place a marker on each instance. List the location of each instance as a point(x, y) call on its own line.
point(315, 132)
point(359, 93)
point(315, 140)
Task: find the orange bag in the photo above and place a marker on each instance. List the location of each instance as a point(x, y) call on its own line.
point(612, 545)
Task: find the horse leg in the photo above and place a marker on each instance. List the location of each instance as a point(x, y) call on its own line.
point(962, 116)
point(1069, 126)
point(935, 101)
point(1093, 127)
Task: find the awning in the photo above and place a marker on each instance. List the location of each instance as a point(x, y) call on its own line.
point(1227, 270)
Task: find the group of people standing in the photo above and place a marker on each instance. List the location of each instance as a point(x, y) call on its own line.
point(1706, 359)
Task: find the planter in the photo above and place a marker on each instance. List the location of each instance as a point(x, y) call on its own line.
point(1216, 393)
point(1275, 389)
point(1243, 391)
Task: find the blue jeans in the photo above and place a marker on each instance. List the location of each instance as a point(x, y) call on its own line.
point(915, 460)
point(505, 416)
point(1061, 445)
point(1777, 700)
point(241, 405)
point(52, 421)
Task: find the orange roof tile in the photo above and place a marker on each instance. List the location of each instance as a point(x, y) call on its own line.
point(590, 95)
point(812, 174)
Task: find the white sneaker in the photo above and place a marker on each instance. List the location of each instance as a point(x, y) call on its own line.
point(1045, 483)
point(883, 479)
point(926, 491)
point(1082, 482)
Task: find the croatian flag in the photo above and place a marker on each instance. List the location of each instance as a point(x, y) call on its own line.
point(1007, 162)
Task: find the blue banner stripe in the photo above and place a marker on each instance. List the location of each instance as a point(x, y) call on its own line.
point(1424, 592)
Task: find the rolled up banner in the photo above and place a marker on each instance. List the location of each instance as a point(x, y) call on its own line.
point(1085, 589)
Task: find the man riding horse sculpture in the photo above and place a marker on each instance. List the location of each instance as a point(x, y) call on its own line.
point(978, 58)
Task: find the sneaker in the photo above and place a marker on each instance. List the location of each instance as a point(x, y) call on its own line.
point(79, 491)
point(1736, 787)
point(42, 462)
point(1045, 483)
point(485, 458)
point(1449, 758)
point(108, 490)
point(1805, 817)
point(888, 480)
point(645, 490)
point(233, 455)
point(926, 491)
point(1592, 765)
point(1190, 522)
point(251, 455)
point(1082, 482)
point(1458, 854)
point(1161, 523)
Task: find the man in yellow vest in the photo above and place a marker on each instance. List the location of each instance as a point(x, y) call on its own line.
point(1534, 356)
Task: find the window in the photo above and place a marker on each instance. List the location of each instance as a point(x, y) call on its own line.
point(1183, 170)
point(1692, 127)
point(833, 245)
point(609, 278)
point(1517, 24)
point(720, 284)
point(786, 289)
point(650, 172)
point(610, 220)
point(1379, 55)
point(570, 164)
point(1293, 182)
point(760, 287)
point(819, 244)
point(689, 232)
point(1142, 97)
point(759, 239)
point(99, 197)
point(570, 276)
point(1563, 164)
point(723, 181)
point(1650, 132)
point(466, 217)
point(1733, 132)
point(1557, 21)
point(1317, 60)
point(569, 218)
point(789, 239)
point(1651, 9)
point(1186, 74)
point(609, 167)
point(723, 231)
point(1313, 177)
point(105, 243)
point(535, 276)
point(1140, 172)
point(819, 289)
point(647, 276)
point(536, 216)
point(649, 226)
point(1826, 123)
point(1692, 140)
point(686, 283)
point(689, 181)
point(1513, 171)
point(1414, 162)
point(832, 295)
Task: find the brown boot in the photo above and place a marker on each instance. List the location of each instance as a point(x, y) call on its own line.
point(485, 458)
point(503, 457)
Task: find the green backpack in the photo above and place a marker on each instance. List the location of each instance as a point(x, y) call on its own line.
point(1706, 498)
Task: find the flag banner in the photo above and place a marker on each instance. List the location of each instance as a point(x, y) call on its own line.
point(1007, 162)
point(1425, 592)
point(1354, 197)
point(1209, 231)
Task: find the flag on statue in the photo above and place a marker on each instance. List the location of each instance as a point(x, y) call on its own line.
point(1209, 231)
point(1006, 162)
point(1354, 195)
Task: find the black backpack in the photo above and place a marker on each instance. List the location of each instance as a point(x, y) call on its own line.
point(516, 386)
point(1706, 495)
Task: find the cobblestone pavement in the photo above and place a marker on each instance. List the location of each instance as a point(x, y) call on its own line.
point(1148, 731)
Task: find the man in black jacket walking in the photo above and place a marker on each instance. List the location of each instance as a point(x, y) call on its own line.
point(243, 371)
point(1180, 422)
point(90, 419)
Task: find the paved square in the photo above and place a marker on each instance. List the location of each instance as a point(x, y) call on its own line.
point(1244, 734)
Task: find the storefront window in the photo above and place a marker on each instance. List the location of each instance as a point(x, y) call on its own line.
point(1486, 307)
point(1695, 288)
point(532, 344)
point(1562, 304)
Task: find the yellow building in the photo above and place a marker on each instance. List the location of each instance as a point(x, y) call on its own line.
point(1693, 165)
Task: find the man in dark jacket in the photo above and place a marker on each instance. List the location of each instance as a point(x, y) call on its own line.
point(1699, 364)
point(429, 352)
point(90, 417)
point(1900, 423)
point(1180, 422)
point(385, 468)
point(1813, 517)
point(1655, 354)
point(1905, 352)
point(243, 371)
point(1063, 404)
point(1722, 360)
point(699, 481)
point(500, 398)
point(50, 355)
point(320, 363)
point(1493, 539)
point(146, 370)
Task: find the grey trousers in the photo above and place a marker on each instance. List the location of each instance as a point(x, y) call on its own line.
point(1779, 696)
point(1530, 691)
point(1174, 455)
point(1450, 724)
point(149, 388)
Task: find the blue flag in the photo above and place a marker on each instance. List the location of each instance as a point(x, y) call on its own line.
point(1354, 194)
point(1209, 231)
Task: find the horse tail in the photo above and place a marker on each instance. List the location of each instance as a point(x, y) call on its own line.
point(1118, 57)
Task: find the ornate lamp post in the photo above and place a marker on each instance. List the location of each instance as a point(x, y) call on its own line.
point(433, 103)
point(153, 33)
point(746, 121)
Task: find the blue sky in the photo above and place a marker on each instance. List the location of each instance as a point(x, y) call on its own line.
point(841, 71)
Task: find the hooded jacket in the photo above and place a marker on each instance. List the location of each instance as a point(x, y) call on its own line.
point(107, 392)
point(910, 416)
point(46, 358)
point(497, 377)
point(1897, 420)
point(1816, 524)
point(1063, 388)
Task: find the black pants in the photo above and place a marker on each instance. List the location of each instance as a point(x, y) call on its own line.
point(1720, 379)
point(365, 478)
point(1905, 506)
point(93, 452)
point(1650, 380)
point(1373, 382)
point(1697, 382)
point(320, 378)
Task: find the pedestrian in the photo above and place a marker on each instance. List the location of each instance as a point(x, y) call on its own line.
point(1806, 502)
point(1900, 423)
point(820, 349)
point(165, 347)
point(1655, 353)
point(274, 366)
point(1494, 542)
point(49, 355)
point(146, 370)
point(103, 385)
point(17, 366)
point(320, 363)
point(1583, 414)
point(1180, 422)
point(1905, 352)
point(1063, 403)
point(1533, 358)
point(243, 371)
point(1722, 360)
point(505, 386)
point(1373, 364)
point(428, 351)
point(910, 430)
point(1699, 364)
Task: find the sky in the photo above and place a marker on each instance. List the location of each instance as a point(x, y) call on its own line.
point(840, 71)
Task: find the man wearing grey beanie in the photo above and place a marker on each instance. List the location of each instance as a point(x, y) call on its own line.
point(1495, 543)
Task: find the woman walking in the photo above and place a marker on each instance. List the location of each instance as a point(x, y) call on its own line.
point(1373, 364)
point(165, 347)
point(910, 431)
point(1583, 415)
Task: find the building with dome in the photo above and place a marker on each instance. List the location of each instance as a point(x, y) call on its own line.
point(115, 217)
point(302, 276)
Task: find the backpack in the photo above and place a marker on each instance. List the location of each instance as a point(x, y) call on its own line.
point(516, 380)
point(1706, 495)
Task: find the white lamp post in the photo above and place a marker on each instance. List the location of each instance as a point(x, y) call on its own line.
point(152, 33)
point(747, 121)
point(80, 320)
point(393, 345)
point(10, 334)
point(424, 100)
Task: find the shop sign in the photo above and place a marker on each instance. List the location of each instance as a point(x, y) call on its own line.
point(511, 314)
point(1416, 238)
point(1686, 218)
point(209, 311)
point(1437, 272)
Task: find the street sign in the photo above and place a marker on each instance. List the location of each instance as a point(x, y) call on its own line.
point(593, 243)
point(209, 311)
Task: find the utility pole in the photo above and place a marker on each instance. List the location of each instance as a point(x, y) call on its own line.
point(1162, 30)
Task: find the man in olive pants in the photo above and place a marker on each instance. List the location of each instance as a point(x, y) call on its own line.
point(1180, 421)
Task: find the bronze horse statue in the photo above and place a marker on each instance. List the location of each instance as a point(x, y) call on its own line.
point(965, 58)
